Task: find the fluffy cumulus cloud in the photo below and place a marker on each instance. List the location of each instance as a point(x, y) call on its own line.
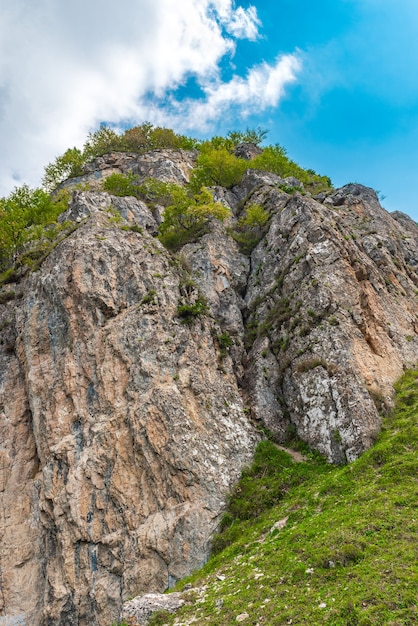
point(262, 87)
point(65, 67)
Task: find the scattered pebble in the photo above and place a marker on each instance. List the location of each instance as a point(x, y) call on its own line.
point(281, 523)
point(242, 617)
point(322, 605)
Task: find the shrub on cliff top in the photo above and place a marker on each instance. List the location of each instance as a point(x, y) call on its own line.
point(217, 166)
point(139, 139)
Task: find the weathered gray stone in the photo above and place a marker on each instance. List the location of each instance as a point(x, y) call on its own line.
point(247, 151)
point(143, 607)
point(134, 436)
point(167, 165)
point(332, 293)
point(254, 179)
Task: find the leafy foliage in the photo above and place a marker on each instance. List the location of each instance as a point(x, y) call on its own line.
point(24, 216)
point(189, 311)
point(217, 166)
point(68, 165)
point(121, 185)
point(232, 140)
point(274, 159)
point(147, 137)
point(254, 135)
point(250, 227)
point(187, 217)
point(255, 216)
point(25, 213)
point(225, 342)
point(139, 139)
point(100, 142)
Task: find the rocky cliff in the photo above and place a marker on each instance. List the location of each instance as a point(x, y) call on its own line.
point(124, 428)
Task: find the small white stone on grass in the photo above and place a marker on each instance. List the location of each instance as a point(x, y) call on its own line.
point(279, 524)
point(242, 617)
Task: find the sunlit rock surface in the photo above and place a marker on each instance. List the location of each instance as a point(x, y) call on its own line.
point(123, 429)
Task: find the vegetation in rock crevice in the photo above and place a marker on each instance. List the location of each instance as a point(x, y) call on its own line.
point(250, 228)
point(187, 215)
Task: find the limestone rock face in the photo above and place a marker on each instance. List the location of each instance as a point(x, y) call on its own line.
point(332, 318)
point(172, 166)
point(123, 429)
point(121, 436)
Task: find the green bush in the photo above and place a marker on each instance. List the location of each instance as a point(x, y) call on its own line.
point(216, 163)
point(225, 341)
point(138, 139)
point(255, 136)
point(250, 227)
point(159, 192)
point(274, 159)
point(24, 214)
point(102, 141)
point(217, 166)
point(232, 140)
point(121, 185)
point(146, 137)
point(187, 217)
point(189, 311)
point(68, 165)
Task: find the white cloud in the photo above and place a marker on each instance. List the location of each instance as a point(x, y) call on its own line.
point(263, 87)
point(244, 23)
point(64, 67)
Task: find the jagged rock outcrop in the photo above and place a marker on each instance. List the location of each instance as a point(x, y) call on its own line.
point(134, 432)
point(333, 307)
point(141, 608)
point(172, 166)
point(123, 429)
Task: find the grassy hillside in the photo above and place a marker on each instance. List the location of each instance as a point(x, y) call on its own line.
point(308, 543)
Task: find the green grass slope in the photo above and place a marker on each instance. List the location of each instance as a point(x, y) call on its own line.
point(309, 543)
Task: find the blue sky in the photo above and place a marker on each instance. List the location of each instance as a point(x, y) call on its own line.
point(352, 112)
point(333, 81)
